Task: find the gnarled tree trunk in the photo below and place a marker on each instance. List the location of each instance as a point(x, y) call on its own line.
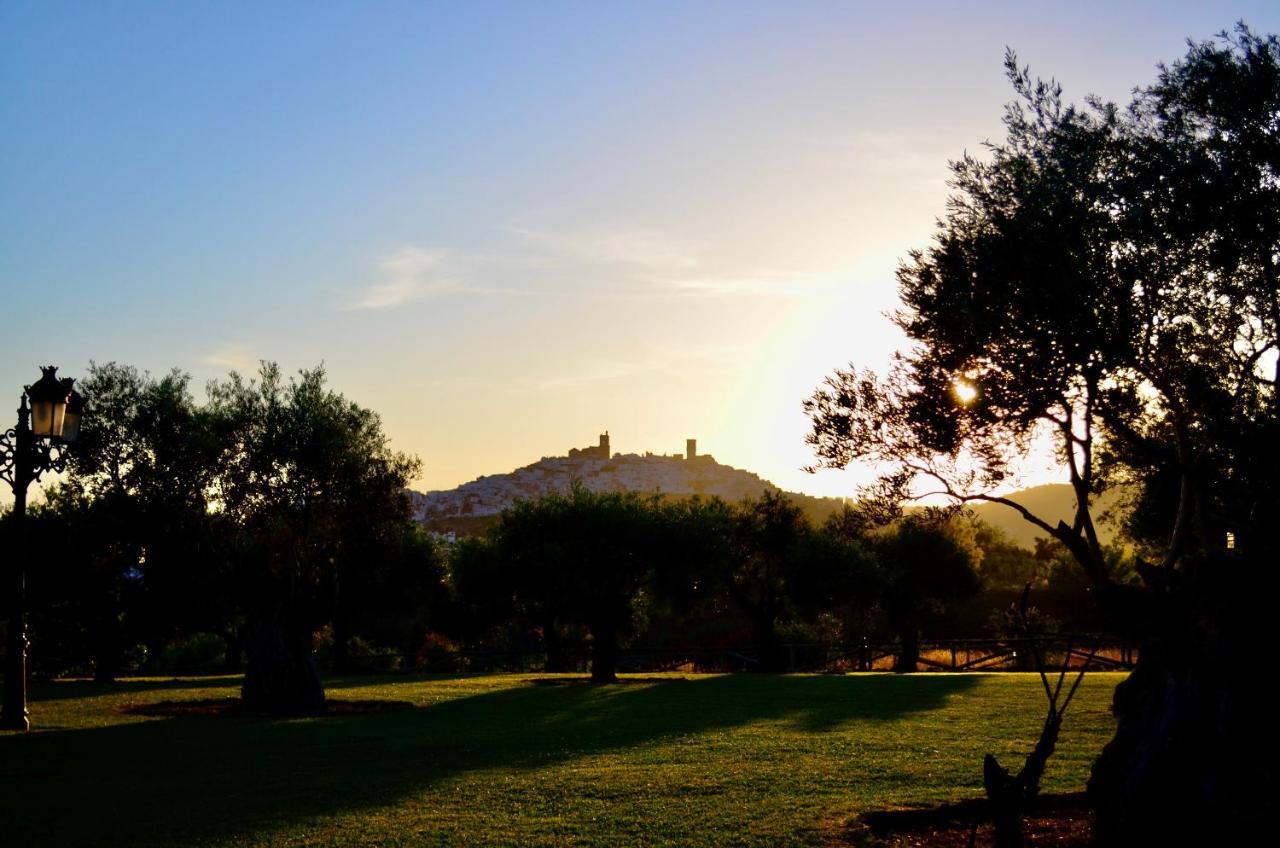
point(341, 642)
point(908, 659)
point(767, 645)
point(282, 677)
point(604, 656)
point(233, 658)
point(1192, 760)
point(553, 642)
point(106, 650)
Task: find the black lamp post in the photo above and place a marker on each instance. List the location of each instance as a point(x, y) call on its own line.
point(36, 445)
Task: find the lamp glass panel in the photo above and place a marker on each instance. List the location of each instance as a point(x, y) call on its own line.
point(70, 426)
point(59, 418)
point(43, 421)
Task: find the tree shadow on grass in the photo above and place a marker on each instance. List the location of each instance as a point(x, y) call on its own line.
point(183, 780)
point(67, 690)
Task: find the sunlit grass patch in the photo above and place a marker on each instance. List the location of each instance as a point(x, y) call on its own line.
point(506, 760)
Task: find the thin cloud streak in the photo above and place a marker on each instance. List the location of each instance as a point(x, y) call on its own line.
point(904, 153)
point(600, 370)
point(233, 357)
point(767, 284)
point(633, 247)
point(416, 273)
point(644, 263)
point(411, 273)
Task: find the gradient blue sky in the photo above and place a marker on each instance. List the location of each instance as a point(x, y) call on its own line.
point(510, 226)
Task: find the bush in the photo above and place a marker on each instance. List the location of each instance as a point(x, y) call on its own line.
point(366, 656)
point(201, 653)
point(438, 654)
point(1007, 623)
point(362, 654)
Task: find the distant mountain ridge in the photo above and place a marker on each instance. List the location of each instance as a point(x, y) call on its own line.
point(471, 507)
point(1053, 502)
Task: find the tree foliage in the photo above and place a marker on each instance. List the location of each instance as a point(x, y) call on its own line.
point(1110, 278)
point(776, 568)
point(924, 568)
point(134, 510)
point(306, 483)
point(270, 510)
point(582, 559)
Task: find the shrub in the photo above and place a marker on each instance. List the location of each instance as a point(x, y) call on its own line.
point(200, 653)
point(362, 654)
point(438, 654)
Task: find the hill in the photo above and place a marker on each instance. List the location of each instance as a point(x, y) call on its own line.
point(1054, 502)
point(473, 506)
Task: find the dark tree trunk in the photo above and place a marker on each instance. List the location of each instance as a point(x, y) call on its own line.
point(1192, 760)
point(106, 663)
point(766, 638)
point(908, 658)
point(341, 643)
point(282, 677)
point(106, 651)
point(233, 658)
point(1008, 795)
point(1005, 799)
point(553, 642)
point(604, 656)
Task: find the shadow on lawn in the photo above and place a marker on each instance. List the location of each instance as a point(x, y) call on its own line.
point(188, 779)
point(69, 690)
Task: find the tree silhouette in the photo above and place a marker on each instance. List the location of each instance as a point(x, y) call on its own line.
point(581, 558)
point(134, 508)
point(1111, 278)
point(299, 464)
point(922, 568)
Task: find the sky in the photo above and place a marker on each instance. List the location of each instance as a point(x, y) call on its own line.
point(509, 227)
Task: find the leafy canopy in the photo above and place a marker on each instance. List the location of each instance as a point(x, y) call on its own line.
point(1107, 277)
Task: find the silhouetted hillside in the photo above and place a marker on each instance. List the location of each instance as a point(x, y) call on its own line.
point(1053, 502)
point(473, 506)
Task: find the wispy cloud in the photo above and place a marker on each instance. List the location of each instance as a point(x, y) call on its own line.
point(409, 274)
point(594, 371)
point(905, 154)
point(770, 284)
point(648, 263)
point(234, 357)
point(603, 370)
point(630, 247)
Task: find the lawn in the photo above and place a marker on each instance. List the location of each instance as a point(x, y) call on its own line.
point(525, 760)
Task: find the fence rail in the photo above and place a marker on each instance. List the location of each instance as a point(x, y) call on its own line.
point(958, 655)
point(950, 655)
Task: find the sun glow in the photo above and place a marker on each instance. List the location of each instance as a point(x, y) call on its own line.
point(964, 391)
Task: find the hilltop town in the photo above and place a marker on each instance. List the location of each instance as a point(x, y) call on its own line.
point(473, 505)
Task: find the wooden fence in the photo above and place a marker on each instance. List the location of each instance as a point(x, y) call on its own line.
point(951, 655)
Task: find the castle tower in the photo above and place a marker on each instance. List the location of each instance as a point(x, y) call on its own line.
point(604, 445)
point(690, 448)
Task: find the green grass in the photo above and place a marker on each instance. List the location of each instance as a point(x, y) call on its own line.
point(500, 760)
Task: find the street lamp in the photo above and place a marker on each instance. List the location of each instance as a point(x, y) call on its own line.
point(36, 445)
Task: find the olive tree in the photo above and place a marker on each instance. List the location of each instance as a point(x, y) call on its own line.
point(300, 463)
point(583, 558)
point(134, 504)
point(1109, 279)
